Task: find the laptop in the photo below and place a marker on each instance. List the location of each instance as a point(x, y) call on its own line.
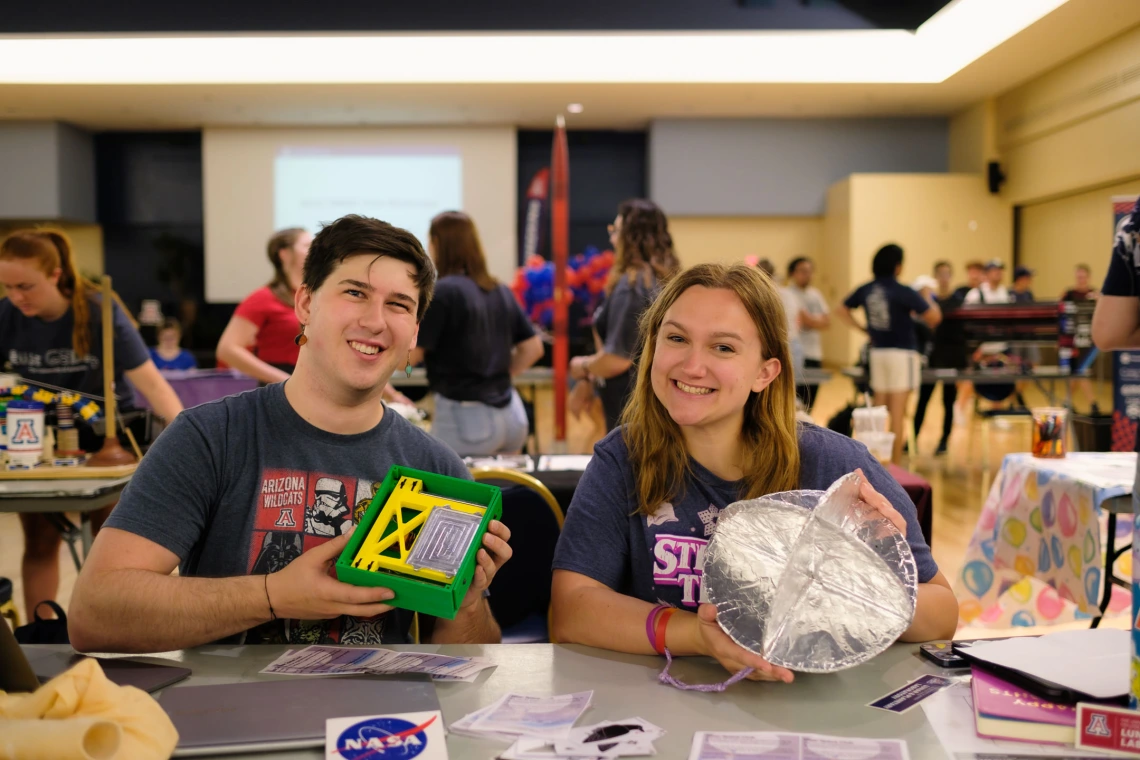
point(22, 670)
point(281, 715)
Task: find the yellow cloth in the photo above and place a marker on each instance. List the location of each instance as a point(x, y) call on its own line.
point(84, 701)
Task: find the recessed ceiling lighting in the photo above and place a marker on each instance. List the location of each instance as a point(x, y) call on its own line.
point(574, 108)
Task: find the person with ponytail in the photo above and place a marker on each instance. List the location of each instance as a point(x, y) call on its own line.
point(51, 331)
point(643, 258)
point(260, 339)
point(711, 421)
point(473, 340)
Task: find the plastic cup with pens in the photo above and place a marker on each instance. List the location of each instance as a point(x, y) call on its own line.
point(1050, 426)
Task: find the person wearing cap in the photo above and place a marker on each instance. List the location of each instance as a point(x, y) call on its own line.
point(1022, 282)
point(991, 290)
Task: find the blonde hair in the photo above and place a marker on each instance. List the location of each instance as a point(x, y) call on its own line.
point(771, 460)
point(51, 249)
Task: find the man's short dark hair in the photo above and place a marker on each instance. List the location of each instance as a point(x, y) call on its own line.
point(939, 264)
point(887, 260)
point(1084, 268)
point(355, 235)
point(795, 263)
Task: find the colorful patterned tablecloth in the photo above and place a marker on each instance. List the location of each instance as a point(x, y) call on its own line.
point(1036, 555)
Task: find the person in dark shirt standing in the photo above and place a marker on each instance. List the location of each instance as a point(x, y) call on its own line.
point(1116, 322)
point(473, 339)
point(895, 364)
point(948, 352)
point(1081, 291)
point(644, 257)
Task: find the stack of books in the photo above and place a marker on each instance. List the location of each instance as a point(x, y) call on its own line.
point(1005, 711)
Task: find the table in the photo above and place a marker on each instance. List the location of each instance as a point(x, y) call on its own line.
point(1039, 376)
point(531, 379)
point(535, 377)
point(197, 386)
point(1036, 556)
point(626, 686)
point(54, 497)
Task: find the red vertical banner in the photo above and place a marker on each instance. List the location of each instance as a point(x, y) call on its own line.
point(560, 254)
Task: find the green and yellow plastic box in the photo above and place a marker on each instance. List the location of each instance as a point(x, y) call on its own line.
point(382, 547)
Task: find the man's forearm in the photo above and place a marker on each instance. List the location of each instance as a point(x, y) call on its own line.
point(144, 611)
point(473, 625)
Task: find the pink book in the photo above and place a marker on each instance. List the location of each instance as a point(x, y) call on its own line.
point(1005, 711)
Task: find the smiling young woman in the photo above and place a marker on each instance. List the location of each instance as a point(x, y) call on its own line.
point(711, 421)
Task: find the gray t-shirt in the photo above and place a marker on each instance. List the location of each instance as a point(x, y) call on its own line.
point(244, 485)
point(660, 558)
point(43, 351)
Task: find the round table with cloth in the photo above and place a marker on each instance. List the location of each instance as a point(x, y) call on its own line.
point(1036, 555)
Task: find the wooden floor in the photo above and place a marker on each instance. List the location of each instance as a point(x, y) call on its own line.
point(959, 480)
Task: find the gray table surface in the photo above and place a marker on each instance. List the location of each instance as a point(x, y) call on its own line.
point(983, 377)
point(626, 686)
point(534, 377)
point(80, 494)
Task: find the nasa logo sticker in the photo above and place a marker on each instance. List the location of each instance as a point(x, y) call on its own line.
point(398, 737)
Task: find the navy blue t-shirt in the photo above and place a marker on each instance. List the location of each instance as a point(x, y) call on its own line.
point(889, 305)
point(41, 350)
point(184, 360)
point(660, 558)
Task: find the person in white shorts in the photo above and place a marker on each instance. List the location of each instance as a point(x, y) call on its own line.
point(895, 365)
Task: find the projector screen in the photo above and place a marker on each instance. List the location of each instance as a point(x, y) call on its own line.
point(258, 181)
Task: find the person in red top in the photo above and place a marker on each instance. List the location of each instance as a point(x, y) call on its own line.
point(259, 340)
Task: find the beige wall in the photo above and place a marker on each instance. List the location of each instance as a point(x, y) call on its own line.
point(838, 339)
point(933, 217)
point(1057, 235)
point(973, 138)
point(726, 239)
point(1073, 128)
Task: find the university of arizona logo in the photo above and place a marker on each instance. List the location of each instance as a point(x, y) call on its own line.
point(25, 433)
point(379, 738)
point(1098, 725)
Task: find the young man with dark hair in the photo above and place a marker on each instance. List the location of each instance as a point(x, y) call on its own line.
point(253, 497)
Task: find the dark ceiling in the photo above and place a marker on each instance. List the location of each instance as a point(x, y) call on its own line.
point(159, 16)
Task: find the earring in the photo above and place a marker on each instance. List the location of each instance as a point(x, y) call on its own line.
point(408, 367)
point(301, 339)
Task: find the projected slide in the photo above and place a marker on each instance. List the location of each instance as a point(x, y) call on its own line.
point(312, 186)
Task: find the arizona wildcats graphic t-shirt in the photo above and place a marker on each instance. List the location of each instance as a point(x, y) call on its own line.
point(244, 486)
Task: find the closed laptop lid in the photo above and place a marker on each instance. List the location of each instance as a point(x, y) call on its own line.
point(269, 715)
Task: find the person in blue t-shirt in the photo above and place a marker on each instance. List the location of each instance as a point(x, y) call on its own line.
point(896, 365)
point(51, 331)
point(169, 354)
point(711, 421)
point(1116, 321)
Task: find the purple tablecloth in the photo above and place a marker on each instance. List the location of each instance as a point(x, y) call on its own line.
point(197, 386)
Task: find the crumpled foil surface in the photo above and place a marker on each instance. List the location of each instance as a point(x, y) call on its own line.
point(813, 581)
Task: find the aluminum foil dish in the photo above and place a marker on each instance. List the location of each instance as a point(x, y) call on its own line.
point(813, 581)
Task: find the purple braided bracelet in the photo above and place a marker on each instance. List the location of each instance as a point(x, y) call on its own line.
point(665, 678)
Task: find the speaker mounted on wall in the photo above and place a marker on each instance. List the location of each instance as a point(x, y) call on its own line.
point(995, 177)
